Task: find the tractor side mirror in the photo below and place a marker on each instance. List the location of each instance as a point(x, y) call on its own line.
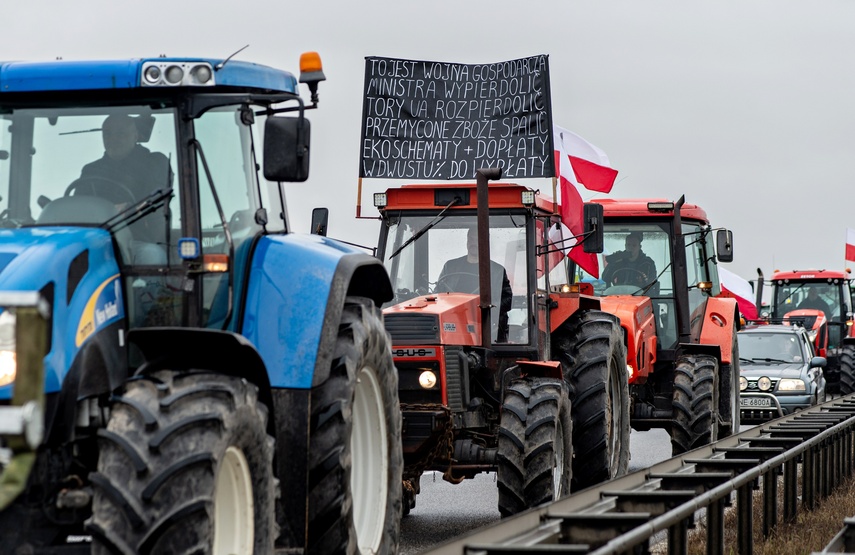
point(592, 214)
point(724, 245)
point(320, 218)
point(286, 149)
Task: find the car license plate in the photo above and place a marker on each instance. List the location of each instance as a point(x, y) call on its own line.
point(751, 402)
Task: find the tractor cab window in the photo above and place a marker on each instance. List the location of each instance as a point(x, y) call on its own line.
point(228, 201)
point(819, 295)
point(444, 260)
point(94, 167)
point(636, 260)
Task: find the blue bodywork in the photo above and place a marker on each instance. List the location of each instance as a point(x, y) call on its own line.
point(290, 283)
point(32, 258)
point(126, 74)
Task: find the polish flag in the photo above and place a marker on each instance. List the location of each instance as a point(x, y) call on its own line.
point(850, 244)
point(589, 165)
point(738, 288)
point(578, 162)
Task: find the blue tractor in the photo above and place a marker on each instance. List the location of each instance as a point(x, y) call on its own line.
point(178, 372)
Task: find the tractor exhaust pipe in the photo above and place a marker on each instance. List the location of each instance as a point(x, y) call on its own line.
point(482, 176)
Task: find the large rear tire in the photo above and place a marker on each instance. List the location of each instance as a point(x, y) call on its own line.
point(847, 368)
point(185, 466)
point(355, 454)
point(591, 349)
point(694, 401)
point(535, 449)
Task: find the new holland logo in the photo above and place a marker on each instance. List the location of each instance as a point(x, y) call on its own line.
point(414, 352)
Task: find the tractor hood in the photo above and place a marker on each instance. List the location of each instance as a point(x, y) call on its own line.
point(436, 319)
point(76, 270)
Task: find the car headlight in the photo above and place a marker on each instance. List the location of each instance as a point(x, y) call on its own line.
point(764, 383)
point(8, 358)
point(789, 384)
point(743, 383)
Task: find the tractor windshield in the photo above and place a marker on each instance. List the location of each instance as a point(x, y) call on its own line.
point(832, 298)
point(444, 259)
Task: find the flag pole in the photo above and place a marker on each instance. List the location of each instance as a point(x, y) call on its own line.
point(359, 197)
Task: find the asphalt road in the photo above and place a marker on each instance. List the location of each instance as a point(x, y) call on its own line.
point(444, 511)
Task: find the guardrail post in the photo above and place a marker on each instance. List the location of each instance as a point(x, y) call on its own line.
point(791, 490)
point(678, 538)
point(745, 520)
point(770, 501)
point(715, 528)
point(809, 478)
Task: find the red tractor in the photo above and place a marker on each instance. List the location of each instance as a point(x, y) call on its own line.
point(504, 365)
point(801, 293)
point(660, 278)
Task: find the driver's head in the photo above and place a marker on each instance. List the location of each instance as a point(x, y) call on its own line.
point(633, 243)
point(119, 133)
point(813, 293)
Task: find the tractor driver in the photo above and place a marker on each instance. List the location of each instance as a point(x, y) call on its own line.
point(814, 302)
point(126, 173)
point(630, 266)
point(461, 275)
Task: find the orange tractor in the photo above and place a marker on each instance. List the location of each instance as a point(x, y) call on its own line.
point(810, 295)
point(504, 365)
point(660, 278)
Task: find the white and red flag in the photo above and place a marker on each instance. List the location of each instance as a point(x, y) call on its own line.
point(850, 244)
point(578, 162)
point(738, 287)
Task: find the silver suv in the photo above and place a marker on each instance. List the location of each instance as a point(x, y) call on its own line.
point(779, 373)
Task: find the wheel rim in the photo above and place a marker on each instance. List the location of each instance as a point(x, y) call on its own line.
point(234, 512)
point(370, 461)
point(558, 469)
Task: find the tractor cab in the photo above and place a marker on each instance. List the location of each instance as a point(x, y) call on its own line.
point(164, 161)
point(828, 291)
point(640, 256)
point(429, 246)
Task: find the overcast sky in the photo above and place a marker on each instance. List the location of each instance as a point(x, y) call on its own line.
point(745, 107)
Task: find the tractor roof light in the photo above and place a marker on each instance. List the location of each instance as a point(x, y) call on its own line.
point(164, 73)
point(527, 198)
point(660, 206)
point(380, 200)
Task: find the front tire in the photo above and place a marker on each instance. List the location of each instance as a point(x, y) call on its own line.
point(847, 368)
point(185, 466)
point(535, 449)
point(591, 349)
point(694, 401)
point(355, 454)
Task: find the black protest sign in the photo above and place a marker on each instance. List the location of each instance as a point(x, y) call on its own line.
point(438, 120)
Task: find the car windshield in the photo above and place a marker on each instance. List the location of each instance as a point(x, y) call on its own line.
point(95, 160)
point(757, 347)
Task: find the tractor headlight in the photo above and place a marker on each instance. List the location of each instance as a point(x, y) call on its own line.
point(162, 73)
point(743, 383)
point(8, 358)
point(427, 379)
point(764, 383)
point(789, 384)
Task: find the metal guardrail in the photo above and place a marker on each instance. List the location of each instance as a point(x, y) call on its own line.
point(625, 514)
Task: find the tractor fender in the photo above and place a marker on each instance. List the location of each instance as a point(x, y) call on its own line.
point(720, 322)
point(637, 318)
point(295, 292)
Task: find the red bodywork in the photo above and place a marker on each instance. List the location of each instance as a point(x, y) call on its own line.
point(819, 327)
